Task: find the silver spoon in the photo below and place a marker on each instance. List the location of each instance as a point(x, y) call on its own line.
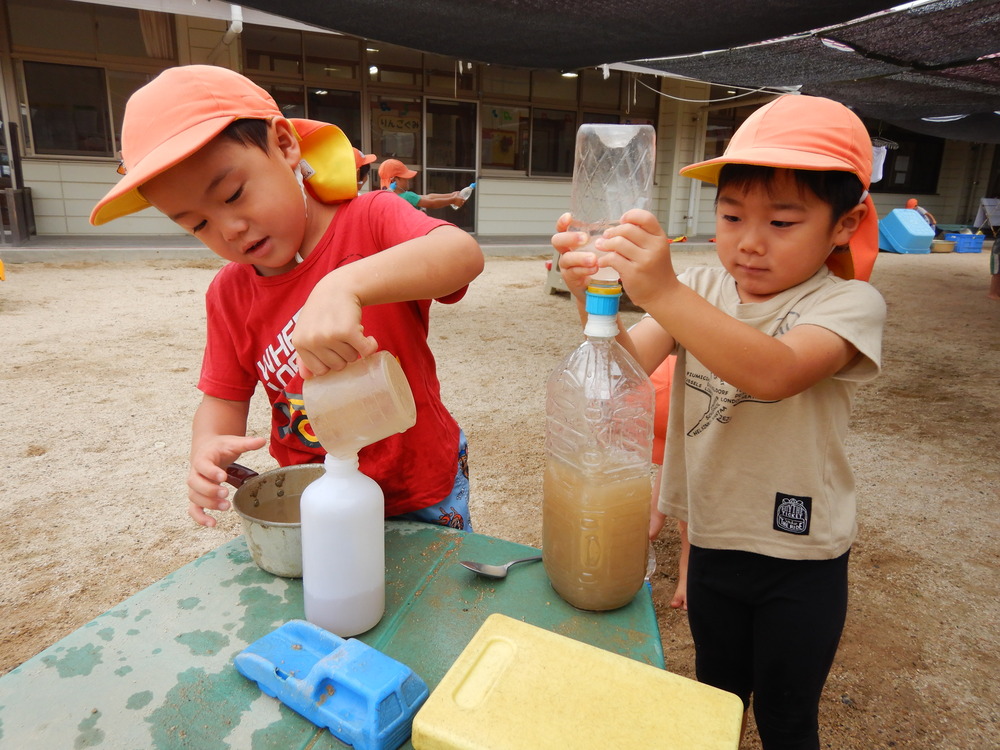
point(495, 571)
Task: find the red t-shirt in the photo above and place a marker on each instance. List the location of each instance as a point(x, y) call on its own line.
point(250, 323)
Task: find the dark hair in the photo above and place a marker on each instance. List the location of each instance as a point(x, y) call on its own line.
point(248, 133)
point(840, 190)
point(363, 171)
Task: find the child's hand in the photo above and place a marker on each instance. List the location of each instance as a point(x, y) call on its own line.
point(328, 333)
point(657, 519)
point(639, 251)
point(575, 267)
point(208, 472)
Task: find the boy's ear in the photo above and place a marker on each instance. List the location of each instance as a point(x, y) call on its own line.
point(848, 224)
point(287, 141)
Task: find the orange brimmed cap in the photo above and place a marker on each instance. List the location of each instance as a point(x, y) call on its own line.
point(392, 168)
point(172, 117)
point(360, 159)
point(811, 133)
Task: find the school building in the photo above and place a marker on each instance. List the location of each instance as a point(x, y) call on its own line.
point(68, 68)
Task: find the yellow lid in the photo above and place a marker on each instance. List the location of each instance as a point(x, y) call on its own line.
point(520, 687)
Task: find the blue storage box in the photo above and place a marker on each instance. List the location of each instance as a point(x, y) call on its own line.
point(967, 243)
point(904, 230)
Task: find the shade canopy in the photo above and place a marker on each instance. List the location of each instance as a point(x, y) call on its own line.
point(565, 34)
point(936, 58)
point(932, 68)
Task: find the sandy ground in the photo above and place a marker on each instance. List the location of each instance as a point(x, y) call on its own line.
point(99, 366)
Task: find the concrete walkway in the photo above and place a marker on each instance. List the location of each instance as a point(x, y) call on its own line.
point(68, 248)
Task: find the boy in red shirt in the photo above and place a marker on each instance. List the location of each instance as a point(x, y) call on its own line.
point(317, 278)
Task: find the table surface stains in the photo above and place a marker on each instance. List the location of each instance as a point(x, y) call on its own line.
point(157, 671)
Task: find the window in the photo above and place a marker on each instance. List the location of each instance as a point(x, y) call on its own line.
point(450, 131)
point(596, 91)
point(68, 106)
point(90, 31)
point(121, 86)
point(396, 124)
point(290, 99)
point(333, 57)
point(504, 136)
point(553, 139)
point(342, 108)
point(396, 66)
point(507, 83)
point(722, 123)
point(52, 25)
point(552, 86)
point(271, 50)
point(914, 166)
point(642, 98)
point(449, 76)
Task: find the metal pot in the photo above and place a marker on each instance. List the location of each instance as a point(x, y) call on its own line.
point(268, 506)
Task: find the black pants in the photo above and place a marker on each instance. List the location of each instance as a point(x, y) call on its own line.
point(768, 627)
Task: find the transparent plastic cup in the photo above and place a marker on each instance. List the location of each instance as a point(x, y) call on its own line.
point(613, 171)
point(367, 401)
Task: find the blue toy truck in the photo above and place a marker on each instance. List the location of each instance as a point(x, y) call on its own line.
point(365, 698)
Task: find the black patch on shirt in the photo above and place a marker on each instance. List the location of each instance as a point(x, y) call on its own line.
point(792, 514)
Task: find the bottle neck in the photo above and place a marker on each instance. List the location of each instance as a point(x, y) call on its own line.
point(334, 465)
point(601, 326)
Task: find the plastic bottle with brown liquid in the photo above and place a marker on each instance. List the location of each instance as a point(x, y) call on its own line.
point(598, 445)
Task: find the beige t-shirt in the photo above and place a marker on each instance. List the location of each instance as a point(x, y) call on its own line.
point(771, 477)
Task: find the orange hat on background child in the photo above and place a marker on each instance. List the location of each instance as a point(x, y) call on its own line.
point(360, 159)
point(390, 169)
point(184, 108)
point(810, 133)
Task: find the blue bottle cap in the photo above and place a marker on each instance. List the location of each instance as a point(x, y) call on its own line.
point(603, 300)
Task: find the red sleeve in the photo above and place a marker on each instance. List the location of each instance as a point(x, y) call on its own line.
point(222, 376)
point(398, 222)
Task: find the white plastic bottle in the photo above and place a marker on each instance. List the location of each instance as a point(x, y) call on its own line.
point(343, 549)
point(465, 193)
point(598, 449)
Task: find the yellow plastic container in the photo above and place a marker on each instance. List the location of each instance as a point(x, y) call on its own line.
point(519, 687)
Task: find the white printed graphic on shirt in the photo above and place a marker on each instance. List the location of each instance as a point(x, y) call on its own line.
point(279, 362)
point(721, 398)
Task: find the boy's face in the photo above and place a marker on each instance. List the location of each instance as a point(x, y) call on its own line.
point(771, 238)
point(244, 204)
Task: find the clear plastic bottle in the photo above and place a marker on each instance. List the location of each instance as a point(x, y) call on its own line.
point(465, 193)
point(343, 549)
point(598, 445)
point(613, 168)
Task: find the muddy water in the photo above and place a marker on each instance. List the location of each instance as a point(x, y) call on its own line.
point(284, 509)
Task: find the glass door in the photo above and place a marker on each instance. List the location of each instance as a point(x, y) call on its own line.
point(396, 123)
point(450, 146)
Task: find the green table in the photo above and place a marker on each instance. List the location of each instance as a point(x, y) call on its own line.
point(157, 670)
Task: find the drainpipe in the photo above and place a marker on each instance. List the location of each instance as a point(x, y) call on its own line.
point(235, 25)
point(234, 30)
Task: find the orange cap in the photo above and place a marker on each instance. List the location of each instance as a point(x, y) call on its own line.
point(391, 168)
point(170, 118)
point(361, 159)
point(807, 132)
point(183, 108)
point(911, 203)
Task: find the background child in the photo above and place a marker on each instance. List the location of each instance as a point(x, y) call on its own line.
point(395, 176)
point(311, 285)
point(364, 165)
point(771, 348)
